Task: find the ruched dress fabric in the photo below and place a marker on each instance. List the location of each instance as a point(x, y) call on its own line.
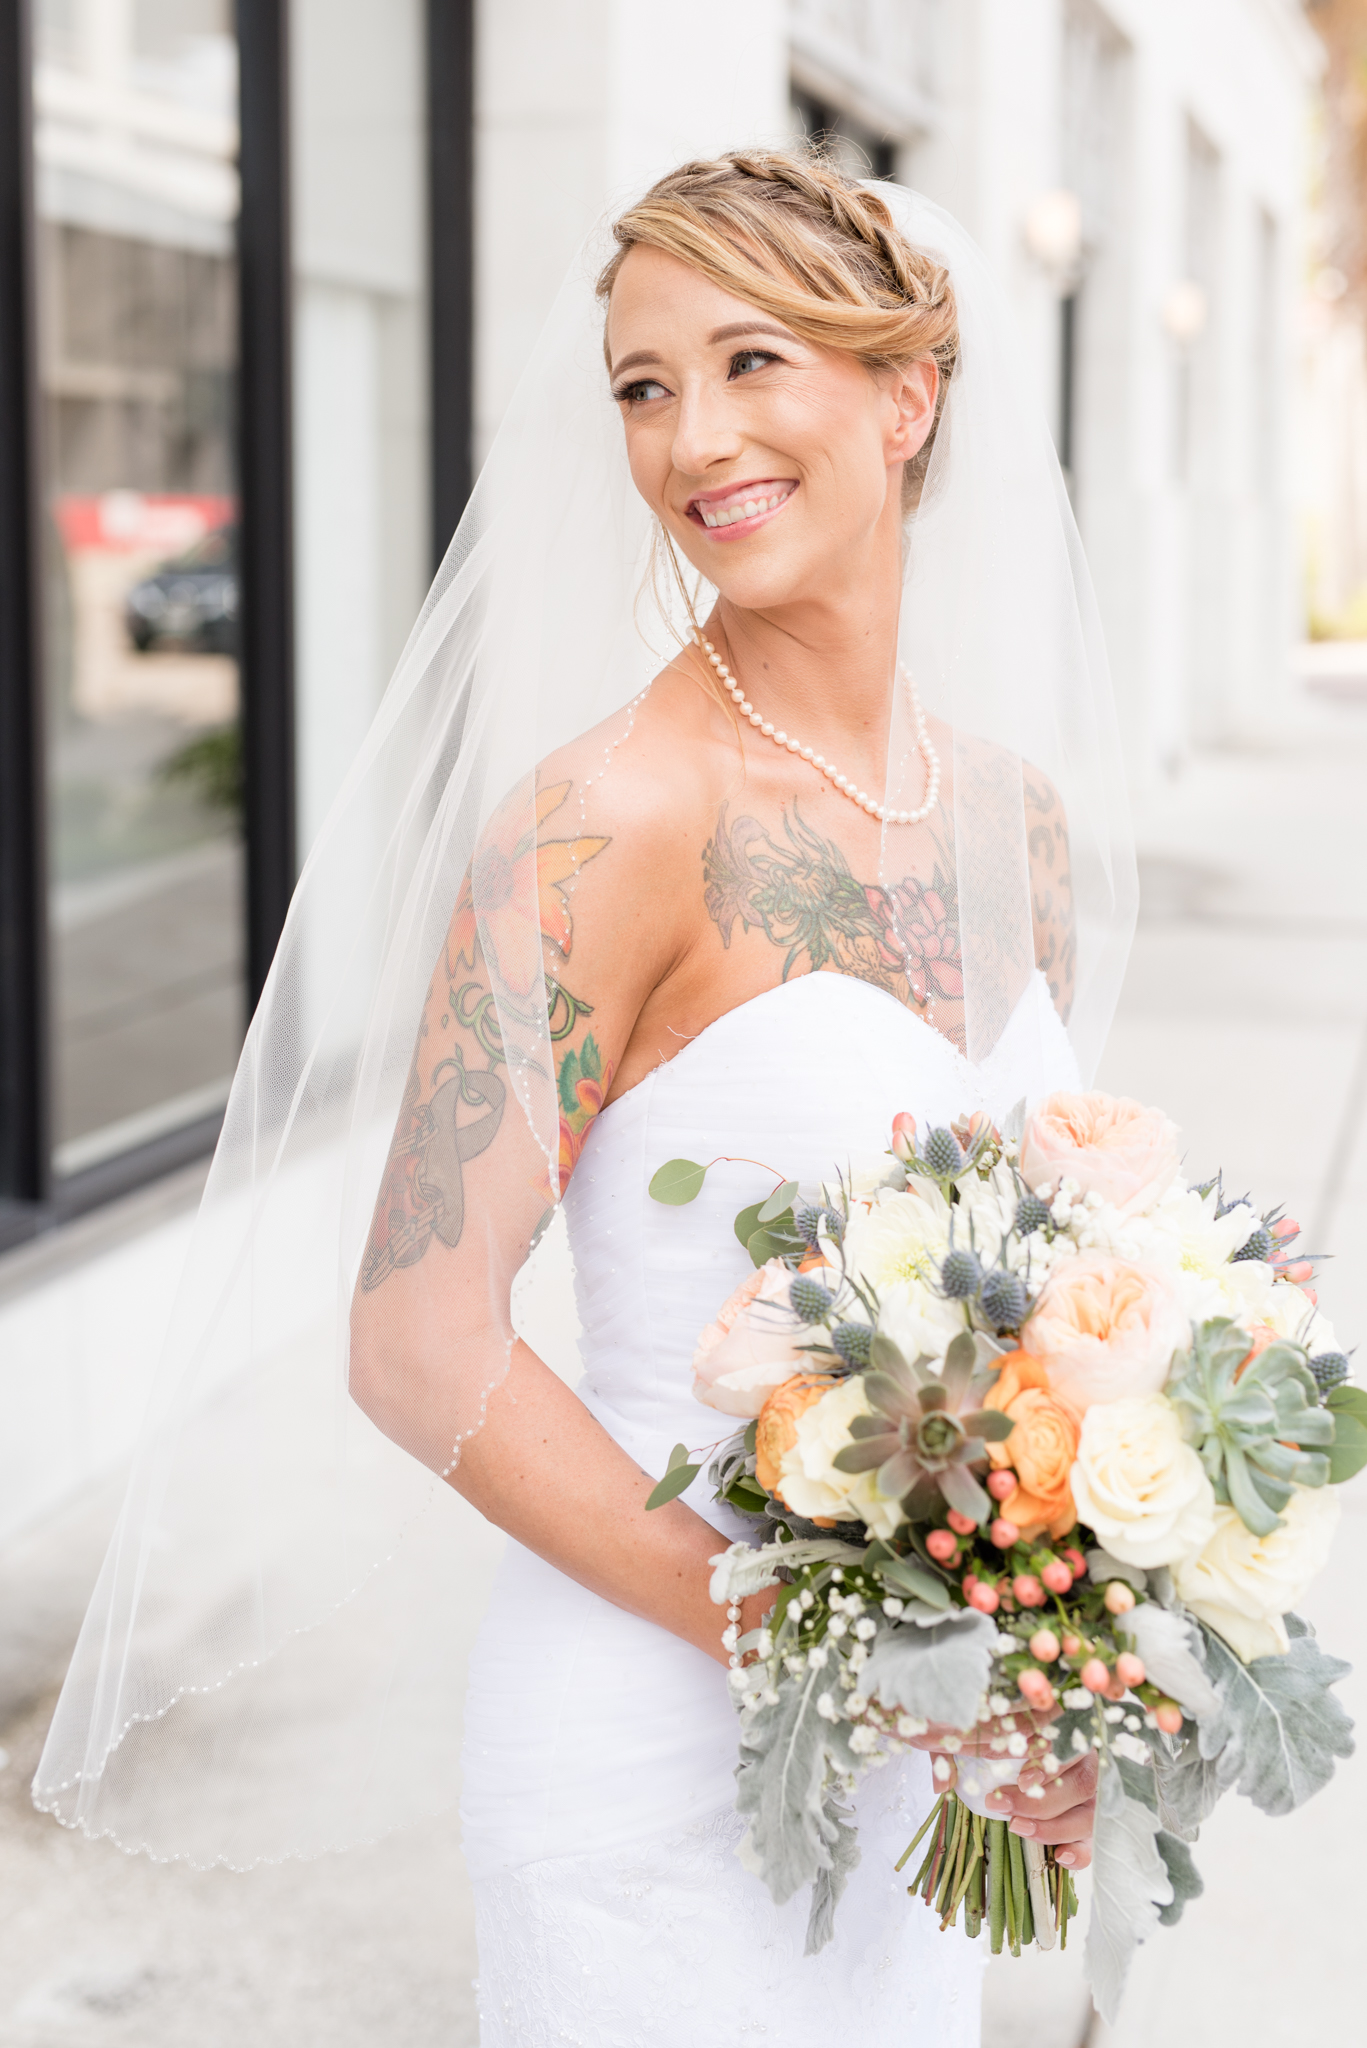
point(600, 1751)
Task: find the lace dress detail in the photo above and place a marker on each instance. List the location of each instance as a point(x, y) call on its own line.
point(600, 1751)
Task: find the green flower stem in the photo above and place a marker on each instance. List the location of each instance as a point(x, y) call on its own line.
point(905, 1856)
point(996, 1878)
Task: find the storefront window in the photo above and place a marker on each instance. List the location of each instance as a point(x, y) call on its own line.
point(135, 105)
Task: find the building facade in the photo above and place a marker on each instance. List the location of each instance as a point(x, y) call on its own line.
point(270, 273)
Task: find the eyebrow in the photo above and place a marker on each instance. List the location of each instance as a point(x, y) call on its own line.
point(641, 357)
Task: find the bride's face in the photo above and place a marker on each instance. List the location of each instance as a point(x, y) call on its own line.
point(769, 460)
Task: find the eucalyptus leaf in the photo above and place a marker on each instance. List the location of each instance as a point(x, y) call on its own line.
point(937, 1674)
point(1130, 1886)
point(677, 1181)
point(906, 1576)
point(1279, 1728)
point(747, 1223)
point(676, 1481)
point(779, 1203)
point(764, 1245)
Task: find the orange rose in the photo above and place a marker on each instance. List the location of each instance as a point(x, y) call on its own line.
point(776, 1430)
point(1040, 1449)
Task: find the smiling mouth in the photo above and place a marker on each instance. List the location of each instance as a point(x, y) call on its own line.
point(747, 505)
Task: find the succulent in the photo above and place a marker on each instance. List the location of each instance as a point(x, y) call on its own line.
point(1257, 1422)
point(809, 1298)
point(1329, 1370)
point(1003, 1299)
point(1032, 1213)
point(961, 1275)
point(925, 1431)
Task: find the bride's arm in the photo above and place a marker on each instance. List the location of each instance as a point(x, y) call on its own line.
point(432, 1346)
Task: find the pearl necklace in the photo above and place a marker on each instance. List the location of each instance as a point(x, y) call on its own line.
point(842, 782)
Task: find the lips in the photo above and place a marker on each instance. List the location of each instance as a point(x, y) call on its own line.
point(743, 505)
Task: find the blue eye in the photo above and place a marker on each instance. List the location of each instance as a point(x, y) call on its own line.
point(639, 393)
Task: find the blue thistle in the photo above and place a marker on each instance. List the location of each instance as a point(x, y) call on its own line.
point(810, 1299)
point(942, 1155)
point(852, 1341)
point(1003, 1299)
point(1031, 1215)
point(961, 1275)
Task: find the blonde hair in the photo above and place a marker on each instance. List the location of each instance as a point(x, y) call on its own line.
point(795, 237)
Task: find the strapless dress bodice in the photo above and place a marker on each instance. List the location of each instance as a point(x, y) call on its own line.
point(800, 1083)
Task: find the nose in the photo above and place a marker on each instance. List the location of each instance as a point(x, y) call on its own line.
point(704, 433)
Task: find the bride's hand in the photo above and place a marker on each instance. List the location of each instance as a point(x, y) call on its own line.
point(1063, 1813)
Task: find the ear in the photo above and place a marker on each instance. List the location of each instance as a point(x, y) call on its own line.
point(912, 392)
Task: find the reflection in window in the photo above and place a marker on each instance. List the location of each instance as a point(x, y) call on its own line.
point(135, 140)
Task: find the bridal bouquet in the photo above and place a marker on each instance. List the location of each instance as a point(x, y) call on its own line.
point(1039, 1445)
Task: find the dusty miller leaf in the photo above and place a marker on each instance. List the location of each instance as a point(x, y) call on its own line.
point(843, 1841)
point(1185, 1879)
point(781, 1782)
point(1278, 1729)
point(1188, 1790)
point(1167, 1642)
point(937, 1674)
point(1130, 1884)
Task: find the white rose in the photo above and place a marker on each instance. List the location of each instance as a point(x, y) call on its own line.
point(809, 1481)
point(1139, 1485)
point(1241, 1584)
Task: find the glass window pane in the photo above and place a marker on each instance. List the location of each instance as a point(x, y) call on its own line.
point(136, 139)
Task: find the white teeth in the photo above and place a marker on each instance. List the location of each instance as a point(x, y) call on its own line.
point(728, 516)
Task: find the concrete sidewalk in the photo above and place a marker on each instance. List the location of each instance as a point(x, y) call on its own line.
point(1245, 1016)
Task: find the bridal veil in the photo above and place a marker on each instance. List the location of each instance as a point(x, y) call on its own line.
point(272, 1661)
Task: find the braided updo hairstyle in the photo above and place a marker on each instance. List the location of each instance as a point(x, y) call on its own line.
point(795, 237)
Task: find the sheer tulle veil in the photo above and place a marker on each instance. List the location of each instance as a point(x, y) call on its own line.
point(272, 1661)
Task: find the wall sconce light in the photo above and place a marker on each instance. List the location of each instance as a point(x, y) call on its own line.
point(1185, 312)
point(1053, 232)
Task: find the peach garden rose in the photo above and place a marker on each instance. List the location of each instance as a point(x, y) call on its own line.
point(1108, 1144)
point(1040, 1449)
point(1106, 1329)
point(751, 1348)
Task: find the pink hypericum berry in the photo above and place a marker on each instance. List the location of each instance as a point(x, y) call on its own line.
point(1071, 1645)
point(1168, 1715)
point(1076, 1562)
point(1044, 1644)
point(1028, 1590)
point(985, 1598)
point(964, 1525)
point(1094, 1675)
point(970, 1580)
point(942, 1544)
point(1035, 1688)
point(1288, 1227)
point(1057, 1576)
point(1004, 1533)
point(1118, 1597)
point(904, 1137)
point(1129, 1669)
point(1001, 1484)
point(1299, 1270)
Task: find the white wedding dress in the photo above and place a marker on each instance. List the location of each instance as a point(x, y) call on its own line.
point(600, 1750)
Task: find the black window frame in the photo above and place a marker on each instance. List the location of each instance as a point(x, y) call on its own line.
point(32, 1200)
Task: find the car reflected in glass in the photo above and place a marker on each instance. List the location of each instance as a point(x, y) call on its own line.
point(190, 602)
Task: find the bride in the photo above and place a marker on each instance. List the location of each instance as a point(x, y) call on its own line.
point(856, 848)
